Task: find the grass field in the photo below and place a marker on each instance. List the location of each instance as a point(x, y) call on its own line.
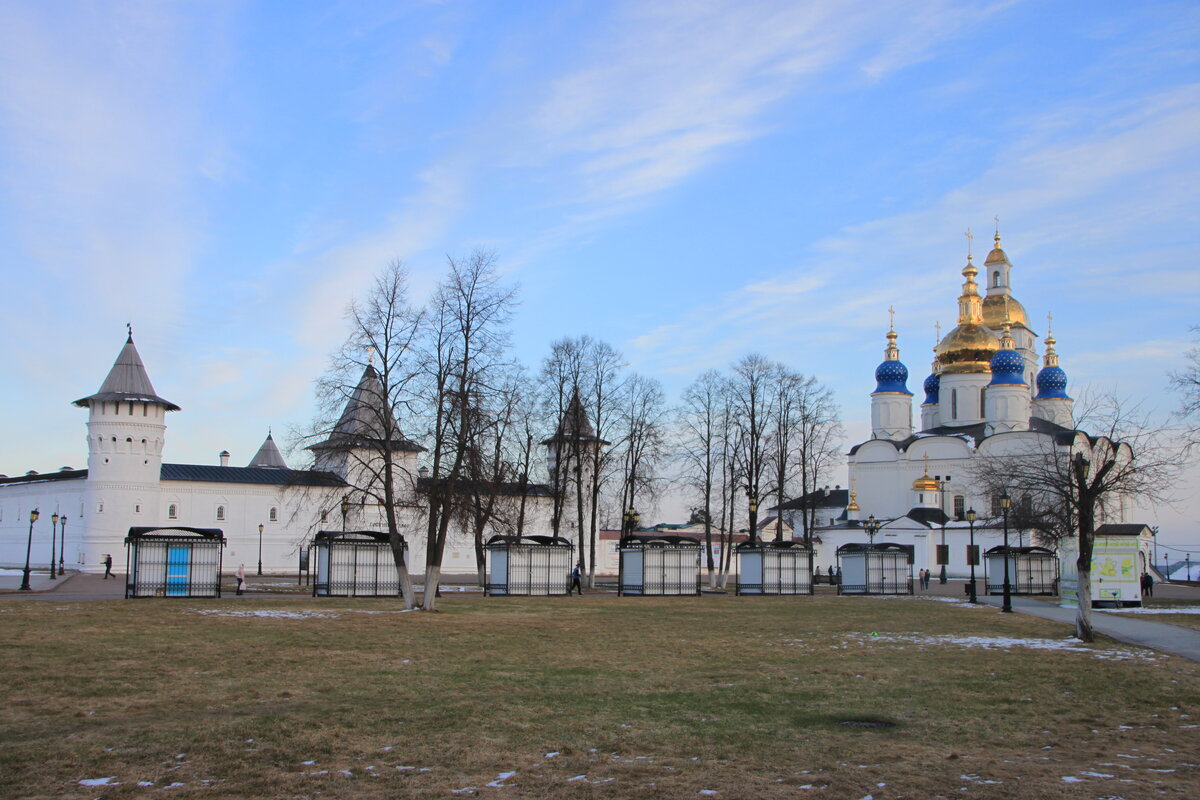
point(594, 697)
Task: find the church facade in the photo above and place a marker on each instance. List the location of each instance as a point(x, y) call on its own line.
point(267, 511)
point(989, 393)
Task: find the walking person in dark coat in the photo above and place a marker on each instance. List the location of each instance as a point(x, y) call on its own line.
point(575, 584)
point(108, 573)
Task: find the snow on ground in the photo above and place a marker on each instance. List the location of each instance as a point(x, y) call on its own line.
point(99, 781)
point(1070, 645)
point(306, 613)
point(1174, 610)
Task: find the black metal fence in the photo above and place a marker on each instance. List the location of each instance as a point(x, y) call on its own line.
point(529, 566)
point(354, 564)
point(774, 568)
point(659, 566)
point(1031, 571)
point(173, 562)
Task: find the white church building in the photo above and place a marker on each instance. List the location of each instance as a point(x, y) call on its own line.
point(264, 507)
point(988, 394)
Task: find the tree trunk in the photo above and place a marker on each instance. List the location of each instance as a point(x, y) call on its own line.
point(1083, 620)
point(406, 589)
point(433, 574)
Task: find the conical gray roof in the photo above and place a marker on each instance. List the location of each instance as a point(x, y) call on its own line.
point(362, 420)
point(268, 455)
point(575, 424)
point(127, 380)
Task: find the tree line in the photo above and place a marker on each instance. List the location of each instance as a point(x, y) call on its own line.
point(441, 378)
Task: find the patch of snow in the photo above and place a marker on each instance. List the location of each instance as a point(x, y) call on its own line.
point(552, 755)
point(1072, 779)
point(99, 781)
point(577, 778)
point(307, 763)
point(499, 782)
point(1097, 775)
point(708, 791)
point(145, 783)
point(1159, 610)
point(174, 785)
point(463, 790)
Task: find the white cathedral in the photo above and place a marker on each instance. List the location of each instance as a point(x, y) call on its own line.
point(986, 395)
point(265, 509)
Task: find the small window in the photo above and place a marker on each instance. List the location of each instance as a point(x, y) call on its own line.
point(273, 514)
point(172, 511)
point(100, 507)
point(131, 408)
point(995, 505)
point(959, 506)
point(145, 409)
point(220, 513)
point(996, 278)
point(954, 404)
point(137, 508)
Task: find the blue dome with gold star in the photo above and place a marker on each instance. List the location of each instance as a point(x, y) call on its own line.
point(891, 376)
point(1008, 367)
point(1052, 384)
point(932, 385)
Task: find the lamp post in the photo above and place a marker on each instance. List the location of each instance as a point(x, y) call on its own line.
point(53, 541)
point(62, 545)
point(33, 515)
point(944, 559)
point(1005, 505)
point(872, 527)
point(972, 556)
point(260, 530)
point(753, 507)
point(345, 510)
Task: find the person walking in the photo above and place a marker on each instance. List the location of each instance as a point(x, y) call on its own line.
point(1147, 585)
point(241, 578)
point(108, 573)
point(575, 583)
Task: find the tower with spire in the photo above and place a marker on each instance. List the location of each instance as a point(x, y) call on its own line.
point(891, 402)
point(573, 444)
point(127, 428)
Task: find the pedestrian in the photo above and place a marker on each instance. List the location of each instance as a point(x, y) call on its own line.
point(108, 573)
point(925, 579)
point(1147, 585)
point(575, 583)
point(241, 578)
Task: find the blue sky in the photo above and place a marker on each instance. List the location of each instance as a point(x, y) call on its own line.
point(689, 181)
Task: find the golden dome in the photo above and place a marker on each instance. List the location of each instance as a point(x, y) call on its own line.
point(967, 348)
point(925, 484)
point(1001, 308)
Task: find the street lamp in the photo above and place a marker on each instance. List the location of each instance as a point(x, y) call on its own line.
point(33, 515)
point(260, 530)
point(1005, 505)
point(972, 553)
point(944, 553)
point(872, 527)
point(345, 510)
point(53, 541)
point(753, 507)
point(632, 519)
point(62, 545)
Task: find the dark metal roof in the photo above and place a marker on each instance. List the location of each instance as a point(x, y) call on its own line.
point(976, 433)
point(506, 488)
point(634, 540)
point(264, 475)
point(862, 547)
point(762, 545)
point(1122, 529)
point(351, 536)
point(127, 380)
point(928, 516)
point(503, 541)
point(268, 455)
point(175, 531)
point(834, 498)
point(1029, 551)
point(362, 420)
point(61, 475)
point(575, 425)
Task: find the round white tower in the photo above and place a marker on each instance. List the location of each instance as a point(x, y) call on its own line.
point(126, 432)
point(1008, 394)
point(891, 402)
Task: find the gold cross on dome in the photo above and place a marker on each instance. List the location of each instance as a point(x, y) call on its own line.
point(891, 318)
point(371, 354)
point(1049, 322)
point(970, 240)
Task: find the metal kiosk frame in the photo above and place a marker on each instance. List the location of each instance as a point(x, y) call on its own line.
point(1032, 571)
point(665, 566)
point(529, 566)
point(354, 564)
point(173, 562)
point(774, 568)
point(885, 568)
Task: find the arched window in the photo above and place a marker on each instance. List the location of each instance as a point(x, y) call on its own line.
point(273, 514)
point(172, 511)
point(996, 278)
point(137, 508)
point(220, 513)
point(995, 505)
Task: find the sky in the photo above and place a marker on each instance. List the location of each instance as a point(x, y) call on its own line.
point(689, 181)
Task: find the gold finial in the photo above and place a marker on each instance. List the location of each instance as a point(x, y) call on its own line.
point(997, 218)
point(1051, 357)
point(926, 457)
point(371, 355)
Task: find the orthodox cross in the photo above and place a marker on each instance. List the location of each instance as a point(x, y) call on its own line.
point(997, 218)
point(970, 239)
point(371, 355)
point(129, 328)
point(1049, 323)
point(937, 333)
point(891, 318)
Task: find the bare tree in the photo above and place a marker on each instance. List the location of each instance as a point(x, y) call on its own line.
point(1187, 383)
point(698, 429)
point(466, 343)
point(602, 365)
point(751, 387)
point(360, 438)
point(642, 423)
point(818, 439)
point(1076, 481)
point(783, 406)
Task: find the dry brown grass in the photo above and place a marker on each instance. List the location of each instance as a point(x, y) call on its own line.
point(646, 698)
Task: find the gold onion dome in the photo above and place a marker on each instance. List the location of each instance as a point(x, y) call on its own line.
point(925, 484)
point(999, 308)
point(970, 346)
